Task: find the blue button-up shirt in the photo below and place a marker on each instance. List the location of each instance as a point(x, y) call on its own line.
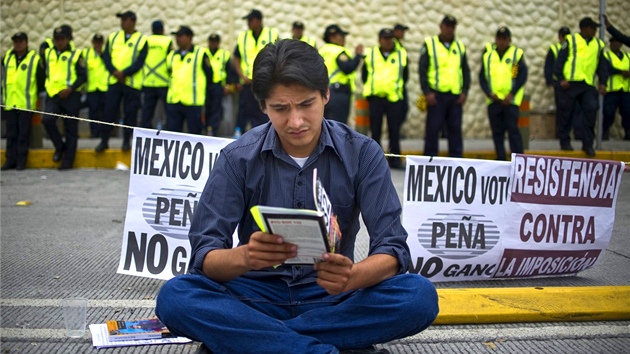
point(255, 170)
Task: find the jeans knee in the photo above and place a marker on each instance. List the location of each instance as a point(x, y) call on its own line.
point(421, 301)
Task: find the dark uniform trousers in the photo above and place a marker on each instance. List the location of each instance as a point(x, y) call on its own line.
point(18, 136)
point(576, 114)
point(395, 112)
point(131, 100)
point(338, 106)
point(612, 101)
point(214, 106)
point(177, 114)
point(249, 109)
point(504, 118)
point(448, 112)
point(96, 108)
point(151, 96)
point(70, 106)
point(579, 100)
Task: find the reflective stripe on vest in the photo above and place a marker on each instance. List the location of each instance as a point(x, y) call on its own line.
point(385, 75)
point(19, 85)
point(155, 72)
point(97, 74)
point(124, 53)
point(249, 47)
point(445, 66)
point(617, 82)
point(60, 70)
point(188, 80)
point(583, 58)
point(499, 73)
point(309, 41)
point(330, 52)
point(218, 62)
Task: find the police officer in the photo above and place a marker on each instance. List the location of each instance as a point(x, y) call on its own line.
point(297, 33)
point(248, 45)
point(618, 88)
point(550, 61)
point(48, 42)
point(190, 70)
point(580, 58)
point(222, 74)
point(65, 73)
point(384, 75)
point(399, 34)
point(341, 72)
point(502, 77)
point(124, 56)
point(22, 78)
point(96, 87)
point(445, 80)
point(155, 81)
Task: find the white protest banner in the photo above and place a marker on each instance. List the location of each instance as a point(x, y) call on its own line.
point(453, 211)
point(561, 215)
point(167, 175)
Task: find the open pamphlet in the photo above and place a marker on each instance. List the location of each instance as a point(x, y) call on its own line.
point(315, 232)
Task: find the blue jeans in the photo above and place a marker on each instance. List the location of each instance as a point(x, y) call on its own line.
point(251, 316)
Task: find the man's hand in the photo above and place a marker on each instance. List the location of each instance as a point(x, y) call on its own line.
point(606, 22)
point(267, 250)
point(359, 50)
point(493, 96)
point(431, 100)
point(119, 76)
point(508, 99)
point(564, 84)
point(333, 274)
point(625, 73)
point(65, 93)
point(461, 99)
point(602, 89)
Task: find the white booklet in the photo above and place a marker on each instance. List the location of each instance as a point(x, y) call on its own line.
point(314, 231)
point(100, 339)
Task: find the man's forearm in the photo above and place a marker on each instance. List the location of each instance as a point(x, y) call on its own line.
point(223, 265)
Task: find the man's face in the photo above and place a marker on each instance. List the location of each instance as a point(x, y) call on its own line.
point(296, 113)
point(60, 42)
point(254, 23)
point(386, 43)
point(298, 32)
point(588, 32)
point(615, 46)
point(19, 45)
point(97, 45)
point(338, 38)
point(183, 41)
point(399, 33)
point(127, 24)
point(503, 43)
point(213, 45)
point(447, 31)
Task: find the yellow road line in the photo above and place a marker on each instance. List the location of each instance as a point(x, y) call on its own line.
point(549, 304)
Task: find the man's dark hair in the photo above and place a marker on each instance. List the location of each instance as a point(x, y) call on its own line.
point(288, 62)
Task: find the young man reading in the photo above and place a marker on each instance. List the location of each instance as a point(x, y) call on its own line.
point(236, 300)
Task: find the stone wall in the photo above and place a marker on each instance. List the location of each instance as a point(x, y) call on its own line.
point(533, 24)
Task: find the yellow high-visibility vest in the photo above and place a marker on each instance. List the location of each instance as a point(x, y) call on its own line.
point(218, 60)
point(501, 73)
point(155, 72)
point(187, 83)
point(124, 53)
point(618, 82)
point(309, 40)
point(97, 74)
point(19, 83)
point(330, 52)
point(555, 48)
point(249, 48)
point(61, 70)
point(385, 76)
point(583, 58)
point(445, 65)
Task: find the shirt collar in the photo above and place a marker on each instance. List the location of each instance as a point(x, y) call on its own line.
point(272, 142)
